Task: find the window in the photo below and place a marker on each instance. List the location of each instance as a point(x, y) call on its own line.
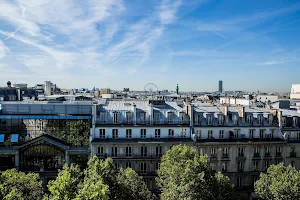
point(256, 152)
point(197, 120)
point(220, 119)
point(128, 151)
point(251, 133)
point(298, 135)
point(144, 151)
point(261, 133)
point(128, 164)
point(202, 151)
point(213, 152)
point(278, 151)
point(128, 133)
point(255, 178)
point(270, 119)
point(156, 118)
point(255, 165)
point(283, 121)
point(115, 133)
point(267, 151)
point(102, 117)
point(129, 117)
point(102, 133)
point(295, 121)
point(210, 134)
point(239, 182)
point(236, 133)
point(116, 165)
point(240, 166)
point(241, 151)
point(267, 164)
point(293, 163)
point(249, 119)
point(143, 133)
point(277, 162)
point(272, 131)
point(225, 152)
point(235, 119)
point(114, 151)
point(183, 132)
point(157, 133)
point(182, 117)
point(116, 115)
point(260, 119)
point(157, 166)
point(170, 117)
point(221, 134)
point(158, 151)
point(100, 151)
point(209, 119)
point(198, 134)
point(143, 117)
point(143, 167)
point(224, 167)
point(171, 132)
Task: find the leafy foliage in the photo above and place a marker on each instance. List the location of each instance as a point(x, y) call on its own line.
point(279, 182)
point(65, 185)
point(16, 185)
point(184, 175)
point(135, 186)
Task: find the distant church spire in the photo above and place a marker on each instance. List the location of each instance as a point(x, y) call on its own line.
point(177, 89)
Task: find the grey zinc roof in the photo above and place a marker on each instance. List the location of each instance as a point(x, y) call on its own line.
point(125, 105)
point(290, 112)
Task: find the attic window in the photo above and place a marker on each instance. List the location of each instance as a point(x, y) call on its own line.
point(127, 104)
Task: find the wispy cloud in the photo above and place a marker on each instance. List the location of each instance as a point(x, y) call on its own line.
point(271, 62)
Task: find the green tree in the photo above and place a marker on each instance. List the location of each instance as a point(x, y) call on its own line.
point(105, 170)
point(93, 189)
point(279, 183)
point(187, 176)
point(64, 187)
point(16, 185)
point(134, 185)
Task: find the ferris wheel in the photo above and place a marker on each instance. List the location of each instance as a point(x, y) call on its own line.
point(151, 88)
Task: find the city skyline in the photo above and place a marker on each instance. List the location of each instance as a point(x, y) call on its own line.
point(249, 45)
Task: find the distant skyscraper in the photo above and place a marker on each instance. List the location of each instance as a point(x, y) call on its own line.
point(177, 89)
point(220, 86)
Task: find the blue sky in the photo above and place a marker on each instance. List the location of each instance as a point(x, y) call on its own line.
point(250, 45)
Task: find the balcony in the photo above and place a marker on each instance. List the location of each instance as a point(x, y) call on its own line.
point(225, 157)
point(130, 156)
point(256, 156)
point(213, 157)
point(241, 157)
point(144, 122)
point(293, 154)
point(278, 155)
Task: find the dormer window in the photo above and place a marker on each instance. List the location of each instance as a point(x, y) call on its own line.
point(182, 117)
point(183, 132)
point(156, 118)
point(102, 117)
point(270, 119)
point(116, 117)
point(209, 119)
point(283, 120)
point(143, 117)
point(249, 119)
point(170, 117)
point(260, 119)
point(197, 119)
point(220, 119)
point(129, 117)
point(235, 119)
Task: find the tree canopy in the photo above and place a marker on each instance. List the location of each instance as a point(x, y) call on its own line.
point(279, 183)
point(134, 185)
point(64, 187)
point(185, 175)
point(16, 185)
